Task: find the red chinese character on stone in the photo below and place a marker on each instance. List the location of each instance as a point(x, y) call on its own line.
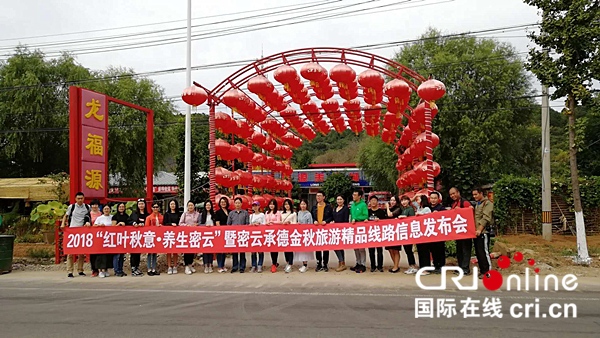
point(302, 177)
point(354, 176)
point(319, 177)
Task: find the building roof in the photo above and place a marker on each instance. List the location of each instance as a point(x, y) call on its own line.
point(31, 189)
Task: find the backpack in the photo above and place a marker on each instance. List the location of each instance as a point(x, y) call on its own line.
point(86, 218)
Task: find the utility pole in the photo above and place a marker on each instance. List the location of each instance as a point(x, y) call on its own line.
point(546, 181)
point(188, 112)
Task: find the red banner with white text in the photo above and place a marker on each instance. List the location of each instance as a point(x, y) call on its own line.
point(439, 226)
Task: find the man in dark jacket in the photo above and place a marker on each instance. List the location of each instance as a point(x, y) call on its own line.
point(322, 213)
point(463, 246)
point(438, 249)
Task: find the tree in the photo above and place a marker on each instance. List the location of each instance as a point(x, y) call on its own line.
point(322, 144)
point(34, 97)
point(486, 120)
point(569, 62)
point(200, 158)
point(43, 110)
point(337, 184)
point(378, 161)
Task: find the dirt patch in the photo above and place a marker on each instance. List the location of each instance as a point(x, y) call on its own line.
point(21, 249)
point(555, 257)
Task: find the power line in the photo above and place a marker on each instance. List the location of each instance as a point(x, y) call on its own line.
point(227, 64)
point(155, 23)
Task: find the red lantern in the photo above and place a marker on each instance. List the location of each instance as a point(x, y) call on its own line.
point(313, 72)
point(258, 159)
point(235, 99)
point(352, 109)
point(339, 125)
point(260, 85)
point(194, 96)
point(269, 163)
point(258, 139)
point(222, 176)
point(269, 144)
point(286, 74)
point(231, 154)
point(245, 202)
point(245, 154)
point(372, 113)
point(431, 90)
point(224, 122)
point(342, 73)
point(245, 177)
point(221, 148)
point(387, 136)
point(390, 121)
point(244, 130)
point(261, 200)
point(331, 108)
point(371, 79)
point(356, 126)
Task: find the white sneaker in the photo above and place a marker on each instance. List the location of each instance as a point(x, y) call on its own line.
point(288, 268)
point(221, 270)
point(101, 274)
point(303, 269)
point(170, 271)
point(192, 268)
point(188, 271)
point(210, 269)
point(411, 271)
point(174, 270)
point(106, 274)
point(206, 269)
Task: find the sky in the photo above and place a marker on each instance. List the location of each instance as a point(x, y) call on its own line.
point(48, 23)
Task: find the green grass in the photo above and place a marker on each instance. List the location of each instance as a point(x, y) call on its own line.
point(39, 253)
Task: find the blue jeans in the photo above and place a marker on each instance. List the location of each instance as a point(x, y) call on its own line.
point(151, 261)
point(340, 255)
point(242, 261)
point(221, 260)
point(261, 258)
point(118, 260)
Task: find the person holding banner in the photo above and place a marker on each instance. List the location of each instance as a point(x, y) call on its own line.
point(257, 218)
point(221, 219)
point(238, 216)
point(94, 214)
point(375, 214)
point(102, 260)
point(408, 211)
point(423, 248)
point(304, 217)
point(359, 213)
point(171, 218)
point(189, 219)
point(120, 219)
point(206, 219)
point(393, 210)
point(155, 219)
point(463, 246)
point(138, 219)
point(288, 217)
point(341, 214)
point(322, 214)
point(78, 215)
point(273, 216)
point(438, 249)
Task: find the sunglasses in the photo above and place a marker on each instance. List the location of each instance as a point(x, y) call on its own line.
point(155, 207)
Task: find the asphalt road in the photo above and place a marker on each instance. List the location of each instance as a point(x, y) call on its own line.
point(45, 304)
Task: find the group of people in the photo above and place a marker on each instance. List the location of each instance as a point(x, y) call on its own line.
point(80, 214)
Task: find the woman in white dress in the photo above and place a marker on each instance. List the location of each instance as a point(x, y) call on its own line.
point(304, 217)
point(288, 216)
point(102, 260)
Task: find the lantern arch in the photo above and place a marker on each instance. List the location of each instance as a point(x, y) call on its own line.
point(414, 145)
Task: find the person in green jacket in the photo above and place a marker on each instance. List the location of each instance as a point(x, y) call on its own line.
point(359, 213)
point(484, 219)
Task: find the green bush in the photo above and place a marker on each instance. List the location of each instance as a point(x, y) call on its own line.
point(39, 253)
point(451, 249)
point(337, 184)
point(517, 193)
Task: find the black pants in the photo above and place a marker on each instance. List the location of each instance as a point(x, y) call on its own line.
point(188, 258)
point(104, 261)
point(379, 262)
point(438, 251)
point(424, 255)
point(410, 255)
point(289, 258)
point(274, 257)
point(482, 251)
point(93, 258)
point(134, 260)
point(323, 257)
point(463, 254)
point(207, 258)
